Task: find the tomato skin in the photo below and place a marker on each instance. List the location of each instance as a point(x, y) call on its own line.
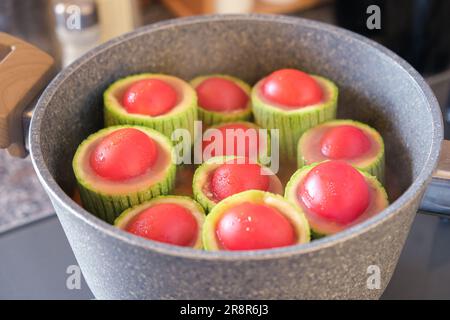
point(250, 226)
point(229, 179)
point(166, 222)
point(251, 145)
point(335, 191)
point(150, 97)
point(124, 154)
point(221, 95)
point(344, 142)
point(291, 88)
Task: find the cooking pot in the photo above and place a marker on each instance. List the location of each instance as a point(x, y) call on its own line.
point(376, 87)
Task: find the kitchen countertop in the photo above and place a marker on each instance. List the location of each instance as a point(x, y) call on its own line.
point(22, 198)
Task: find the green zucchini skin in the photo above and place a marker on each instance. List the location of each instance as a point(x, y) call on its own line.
point(210, 118)
point(182, 117)
point(375, 167)
point(107, 206)
point(293, 123)
point(201, 177)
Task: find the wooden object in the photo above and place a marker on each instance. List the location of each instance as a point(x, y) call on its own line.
point(24, 71)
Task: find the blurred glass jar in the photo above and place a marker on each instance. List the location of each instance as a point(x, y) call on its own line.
point(76, 26)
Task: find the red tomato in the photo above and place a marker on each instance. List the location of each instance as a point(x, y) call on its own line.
point(344, 142)
point(291, 88)
point(166, 222)
point(151, 97)
point(251, 143)
point(229, 179)
point(335, 191)
point(123, 154)
point(250, 226)
point(219, 94)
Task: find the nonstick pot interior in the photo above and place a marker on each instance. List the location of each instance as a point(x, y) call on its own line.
point(374, 88)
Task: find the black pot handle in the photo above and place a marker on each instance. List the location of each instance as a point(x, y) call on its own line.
point(437, 196)
point(24, 71)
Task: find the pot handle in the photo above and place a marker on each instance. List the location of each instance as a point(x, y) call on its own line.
point(24, 71)
point(437, 196)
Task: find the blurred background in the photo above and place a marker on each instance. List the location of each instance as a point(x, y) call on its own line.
point(34, 253)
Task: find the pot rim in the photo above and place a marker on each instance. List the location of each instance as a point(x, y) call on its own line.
point(66, 203)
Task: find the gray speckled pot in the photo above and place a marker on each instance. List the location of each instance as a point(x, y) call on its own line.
point(376, 87)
